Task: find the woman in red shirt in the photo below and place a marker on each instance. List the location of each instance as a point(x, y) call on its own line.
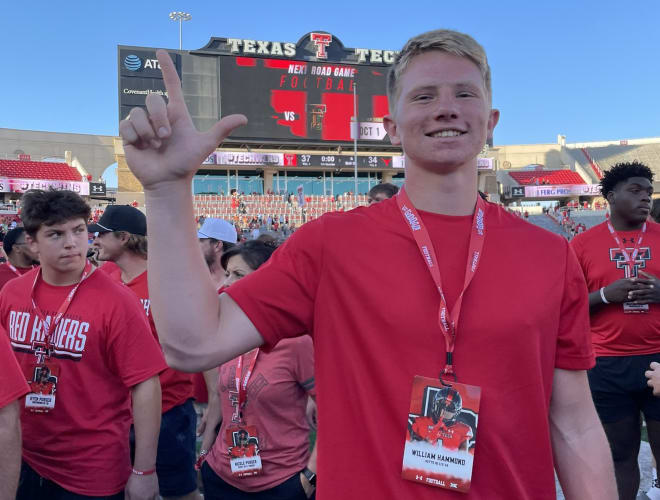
point(262, 448)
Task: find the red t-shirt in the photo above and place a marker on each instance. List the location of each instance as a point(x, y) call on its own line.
point(615, 333)
point(177, 387)
point(276, 405)
point(6, 273)
point(372, 307)
point(109, 267)
point(13, 384)
point(103, 347)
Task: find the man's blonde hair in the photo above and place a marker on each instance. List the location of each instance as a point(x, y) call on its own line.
point(136, 243)
point(452, 42)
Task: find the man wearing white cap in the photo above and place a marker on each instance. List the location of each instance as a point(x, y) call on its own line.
point(215, 237)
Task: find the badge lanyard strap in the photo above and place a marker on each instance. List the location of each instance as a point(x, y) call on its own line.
point(241, 388)
point(11, 266)
point(630, 260)
point(63, 307)
point(448, 321)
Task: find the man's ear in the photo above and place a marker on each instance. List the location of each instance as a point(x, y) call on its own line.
point(611, 197)
point(389, 122)
point(32, 243)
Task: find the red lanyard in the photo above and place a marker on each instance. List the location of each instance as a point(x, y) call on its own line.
point(10, 266)
point(447, 320)
point(50, 327)
point(241, 388)
point(630, 260)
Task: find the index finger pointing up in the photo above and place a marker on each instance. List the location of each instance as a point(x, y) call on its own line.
point(170, 76)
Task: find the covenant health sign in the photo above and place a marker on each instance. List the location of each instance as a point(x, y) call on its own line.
point(564, 190)
point(10, 185)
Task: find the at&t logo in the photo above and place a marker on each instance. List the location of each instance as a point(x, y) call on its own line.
point(132, 62)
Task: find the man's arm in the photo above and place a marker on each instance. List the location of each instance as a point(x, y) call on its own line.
point(10, 450)
point(582, 455)
point(146, 420)
point(164, 150)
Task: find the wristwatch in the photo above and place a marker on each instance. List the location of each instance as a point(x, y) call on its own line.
point(311, 476)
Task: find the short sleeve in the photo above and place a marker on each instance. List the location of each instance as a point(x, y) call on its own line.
point(279, 297)
point(13, 384)
point(574, 350)
point(134, 353)
point(303, 365)
point(578, 249)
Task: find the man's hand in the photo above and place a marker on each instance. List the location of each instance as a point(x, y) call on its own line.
point(627, 289)
point(162, 144)
point(307, 486)
point(142, 487)
point(653, 376)
point(651, 293)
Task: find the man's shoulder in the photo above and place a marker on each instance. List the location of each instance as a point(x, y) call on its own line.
point(114, 292)
point(593, 233)
point(19, 284)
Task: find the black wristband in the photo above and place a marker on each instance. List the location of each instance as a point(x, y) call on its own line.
point(311, 476)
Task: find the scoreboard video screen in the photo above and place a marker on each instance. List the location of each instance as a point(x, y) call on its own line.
point(304, 100)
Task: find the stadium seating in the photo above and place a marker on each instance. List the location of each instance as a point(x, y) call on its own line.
point(588, 218)
point(19, 169)
point(550, 177)
point(224, 207)
point(607, 156)
point(546, 223)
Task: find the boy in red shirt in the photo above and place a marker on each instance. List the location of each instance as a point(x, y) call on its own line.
point(121, 237)
point(84, 337)
point(529, 345)
point(618, 258)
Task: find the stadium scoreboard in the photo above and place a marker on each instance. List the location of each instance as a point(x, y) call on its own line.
point(292, 93)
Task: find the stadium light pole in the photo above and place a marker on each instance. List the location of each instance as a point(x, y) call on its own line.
point(180, 16)
point(356, 131)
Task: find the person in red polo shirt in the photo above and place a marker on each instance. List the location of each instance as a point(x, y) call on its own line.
point(20, 258)
point(12, 388)
point(427, 317)
point(121, 237)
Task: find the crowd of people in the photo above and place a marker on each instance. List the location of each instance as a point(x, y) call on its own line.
point(397, 368)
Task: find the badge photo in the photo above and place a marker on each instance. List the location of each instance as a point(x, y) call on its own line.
point(42, 379)
point(441, 434)
point(243, 449)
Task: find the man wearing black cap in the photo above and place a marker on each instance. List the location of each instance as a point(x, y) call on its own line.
point(20, 259)
point(121, 237)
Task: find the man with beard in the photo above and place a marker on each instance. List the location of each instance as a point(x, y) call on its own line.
point(20, 259)
point(216, 236)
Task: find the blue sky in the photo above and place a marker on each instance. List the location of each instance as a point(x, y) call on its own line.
point(588, 70)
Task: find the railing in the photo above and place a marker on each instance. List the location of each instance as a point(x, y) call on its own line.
point(594, 165)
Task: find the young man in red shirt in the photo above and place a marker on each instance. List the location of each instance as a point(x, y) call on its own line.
point(619, 264)
point(528, 347)
point(121, 237)
point(84, 339)
point(12, 388)
point(20, 259)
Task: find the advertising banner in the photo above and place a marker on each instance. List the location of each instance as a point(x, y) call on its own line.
point(562, 190)
point(21, 185)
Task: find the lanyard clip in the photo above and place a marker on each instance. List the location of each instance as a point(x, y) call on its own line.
point(449, 369)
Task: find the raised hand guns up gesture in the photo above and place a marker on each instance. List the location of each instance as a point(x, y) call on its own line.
point(162, 144)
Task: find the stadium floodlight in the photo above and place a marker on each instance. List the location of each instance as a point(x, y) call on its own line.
point(180, 16)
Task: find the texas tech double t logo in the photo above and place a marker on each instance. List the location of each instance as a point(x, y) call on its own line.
point(643, 255)
point(321, 40)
